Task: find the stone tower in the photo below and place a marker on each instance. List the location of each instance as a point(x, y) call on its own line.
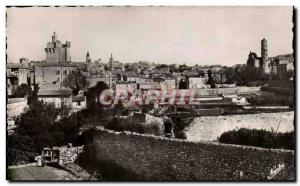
point(264, 56)
point(57, 52)
point(111, 63)
point(87, 58)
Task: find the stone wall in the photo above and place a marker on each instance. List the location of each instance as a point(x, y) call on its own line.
point(69, 154)
point(155, 158)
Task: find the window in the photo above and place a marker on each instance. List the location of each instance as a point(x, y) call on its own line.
point(66, 72)
point(57, 72)
point(78, 103)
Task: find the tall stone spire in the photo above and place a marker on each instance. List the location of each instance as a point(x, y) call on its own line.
point(88, 59)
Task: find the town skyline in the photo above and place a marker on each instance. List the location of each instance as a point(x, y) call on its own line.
point(179, 38)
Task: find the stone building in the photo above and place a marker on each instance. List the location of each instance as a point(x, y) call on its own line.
point(278, 66)
point(58, 96)
point(253, 60)
point(111, 63)
point(196, 82)
point(53, 72)
point(114, 65)
point(281, 65)
point(263, 62)
point(57, 65)
point(17, 74)
point(57, 52)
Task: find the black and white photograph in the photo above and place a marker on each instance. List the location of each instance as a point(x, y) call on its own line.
point(150, 93)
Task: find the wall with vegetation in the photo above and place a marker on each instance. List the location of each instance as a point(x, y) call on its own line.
point(130, 156)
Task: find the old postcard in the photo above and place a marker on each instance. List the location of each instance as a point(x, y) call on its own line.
point(185, 93)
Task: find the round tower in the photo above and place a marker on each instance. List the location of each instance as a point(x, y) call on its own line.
point(264, 49)
point(264, 55)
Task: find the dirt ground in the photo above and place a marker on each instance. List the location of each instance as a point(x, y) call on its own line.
point(45, 173)
point(38, 173)
point(209, 128)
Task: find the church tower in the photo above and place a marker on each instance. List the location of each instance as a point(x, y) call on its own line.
point(264, 56)
point(87, 58)
point(111, 63)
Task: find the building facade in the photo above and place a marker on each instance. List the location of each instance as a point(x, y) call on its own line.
point(53, 72)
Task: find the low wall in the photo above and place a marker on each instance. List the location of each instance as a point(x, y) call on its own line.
point(235, 90)
point(144, 157)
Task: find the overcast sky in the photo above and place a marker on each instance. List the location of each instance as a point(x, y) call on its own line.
point(194, 35)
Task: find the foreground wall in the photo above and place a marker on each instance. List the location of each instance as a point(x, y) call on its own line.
point(154, 158)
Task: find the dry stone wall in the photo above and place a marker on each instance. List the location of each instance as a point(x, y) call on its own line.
point(69, 154)
point(155, 158)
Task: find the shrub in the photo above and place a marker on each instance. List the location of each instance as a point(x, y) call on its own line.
point(267, 100)
point(22, 91)
point(258, 138)
point(180, 135)
point(179, 125)
point(129, 124)
point(115, 124)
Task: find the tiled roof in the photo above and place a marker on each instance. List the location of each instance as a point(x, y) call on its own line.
point(16, 65)
point(78, 98)
point(54, 91)
point(60, 64)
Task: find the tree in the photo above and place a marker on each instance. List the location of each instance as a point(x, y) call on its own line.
point(211, 80)
point(230, 75)
point(93, 94)
point(23, 90)
point(118, 108)
point(37, 119)
point(75, 81)
point(38, 127)
point(183, 84)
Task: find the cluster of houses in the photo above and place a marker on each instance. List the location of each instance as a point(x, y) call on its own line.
point(48, 75)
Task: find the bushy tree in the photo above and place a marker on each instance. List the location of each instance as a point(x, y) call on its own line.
point(183, 84)
point(230, 75)
point(75, 81)
point(37, 119)
point(22, 91)
point(211, 80)
point(93, 95)
point(259, 138)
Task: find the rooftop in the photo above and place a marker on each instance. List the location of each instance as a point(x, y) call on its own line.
point(60, 64)
point(54, 90)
